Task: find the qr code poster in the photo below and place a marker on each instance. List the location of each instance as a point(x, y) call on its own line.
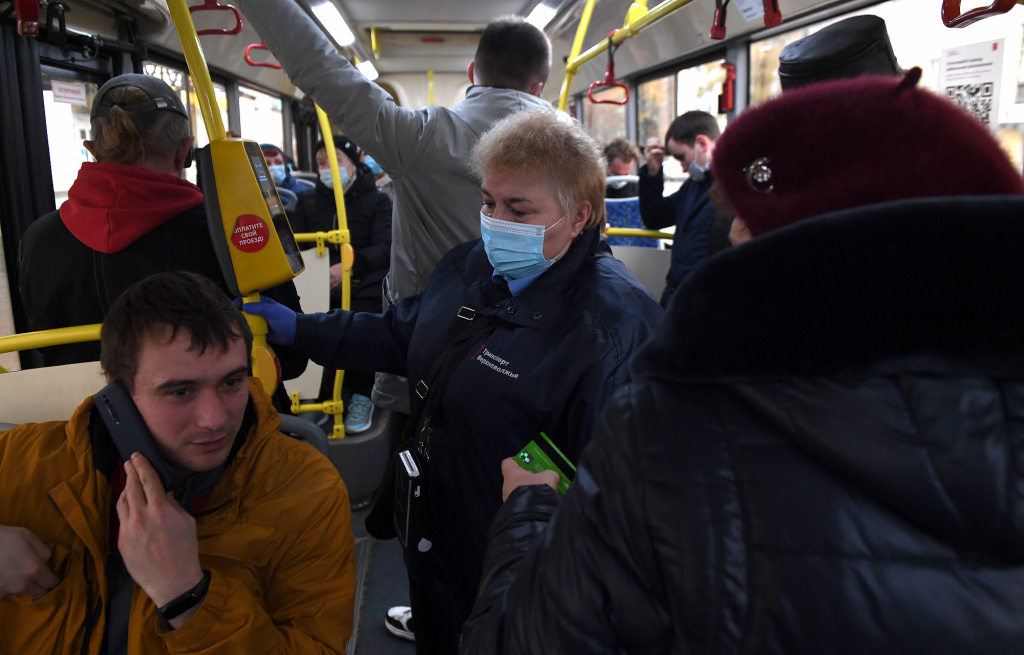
point(971, 77)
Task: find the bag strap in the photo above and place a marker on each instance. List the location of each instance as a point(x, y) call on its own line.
point(469, 328)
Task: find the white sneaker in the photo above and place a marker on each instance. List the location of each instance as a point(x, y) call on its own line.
point(399, 622)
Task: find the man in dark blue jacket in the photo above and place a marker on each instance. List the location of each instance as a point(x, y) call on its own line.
point(690, 139)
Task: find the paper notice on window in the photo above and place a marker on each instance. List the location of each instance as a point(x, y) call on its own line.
point(69, 92)
point(751, 9)
point(970, 76)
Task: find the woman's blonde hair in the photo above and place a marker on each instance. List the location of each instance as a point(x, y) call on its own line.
point(550, 142)
point(126, 137)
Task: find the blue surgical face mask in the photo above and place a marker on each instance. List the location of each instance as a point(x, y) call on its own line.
point(325, 177)
point(698, 172)
point(516, 250)
point(374, 166)
point(278, 173)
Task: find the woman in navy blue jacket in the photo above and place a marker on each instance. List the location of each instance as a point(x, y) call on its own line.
point(565, 317)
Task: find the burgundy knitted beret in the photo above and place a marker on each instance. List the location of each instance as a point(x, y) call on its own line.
point(846, 143)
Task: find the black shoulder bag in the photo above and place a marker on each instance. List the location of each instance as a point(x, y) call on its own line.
point(387, 514)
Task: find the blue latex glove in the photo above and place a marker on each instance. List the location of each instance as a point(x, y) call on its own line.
point(280, 320)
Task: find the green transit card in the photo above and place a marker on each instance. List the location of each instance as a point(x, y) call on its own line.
point(542, 456)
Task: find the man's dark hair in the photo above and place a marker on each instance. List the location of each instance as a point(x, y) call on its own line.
point(512, 54)
point(180, 301)
point(687, 127)
point(623, 149)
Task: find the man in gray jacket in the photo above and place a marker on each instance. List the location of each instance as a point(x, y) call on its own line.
point(437, 203)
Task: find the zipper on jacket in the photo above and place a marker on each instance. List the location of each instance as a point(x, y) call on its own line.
point(92, 616)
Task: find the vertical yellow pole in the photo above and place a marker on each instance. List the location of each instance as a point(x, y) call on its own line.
point(197, 68)
point(577, 45)
point(347, 256)
point(430, 86)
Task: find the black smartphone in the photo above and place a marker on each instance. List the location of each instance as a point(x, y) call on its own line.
point(127, 428)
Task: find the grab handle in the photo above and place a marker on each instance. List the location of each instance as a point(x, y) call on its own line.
point(951, 16)
point(258, 46)
point(609, 80)
point(213, 5)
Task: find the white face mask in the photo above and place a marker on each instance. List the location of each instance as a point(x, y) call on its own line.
point(698, 172)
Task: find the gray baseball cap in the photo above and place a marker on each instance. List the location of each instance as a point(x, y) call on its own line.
point(161, 96)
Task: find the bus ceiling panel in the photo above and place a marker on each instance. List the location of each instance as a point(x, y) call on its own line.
point(440, 35)
point(682, 34)
point(417, 50)
point(422, 15)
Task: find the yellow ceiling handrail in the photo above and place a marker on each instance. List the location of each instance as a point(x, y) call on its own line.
point(636, 20)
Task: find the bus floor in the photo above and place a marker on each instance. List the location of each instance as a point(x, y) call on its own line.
point(381, 583)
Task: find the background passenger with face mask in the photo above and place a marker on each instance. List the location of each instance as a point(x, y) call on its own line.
point(563, 319)
point(368, 211)
point(691, 140)
point(279, 171)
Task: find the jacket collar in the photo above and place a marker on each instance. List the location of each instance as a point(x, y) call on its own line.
point(536, 303)
point(919, 285)
point(483, 105)
point(110, 206)
point(98, 457)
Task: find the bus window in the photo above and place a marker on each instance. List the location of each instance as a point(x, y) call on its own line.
point(180, 81)
point(660, 100)
point(698, 88)
point(66, 101)
point(9, 361)
point(922, 43)
point(605, 122)
point(261, 116)
point(220, 93)
point(655, 109)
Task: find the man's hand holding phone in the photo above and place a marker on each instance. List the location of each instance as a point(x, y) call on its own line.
point(158, 539)
point(23, 568)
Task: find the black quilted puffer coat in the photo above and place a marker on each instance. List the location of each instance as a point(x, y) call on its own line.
point(822, 451)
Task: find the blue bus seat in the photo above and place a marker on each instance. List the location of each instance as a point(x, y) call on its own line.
point(625, 212)
point(303, 185)
point(288, 199)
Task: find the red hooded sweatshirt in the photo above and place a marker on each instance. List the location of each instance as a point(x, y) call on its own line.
point(110, 205)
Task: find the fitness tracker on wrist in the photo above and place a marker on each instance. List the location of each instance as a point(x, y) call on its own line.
point(186, 601)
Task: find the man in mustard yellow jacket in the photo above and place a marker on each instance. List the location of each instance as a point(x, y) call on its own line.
point(249, 552)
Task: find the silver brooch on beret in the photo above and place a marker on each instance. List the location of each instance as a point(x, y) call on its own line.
point(759, 175)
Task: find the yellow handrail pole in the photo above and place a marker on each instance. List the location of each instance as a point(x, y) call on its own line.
point(430, 87)
point(577, 45)
point(627, 31)
point(634, 232)
point(263, 364)
point(347, 257)
point(197, 67)
point(374, 42)
point(54, 337)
